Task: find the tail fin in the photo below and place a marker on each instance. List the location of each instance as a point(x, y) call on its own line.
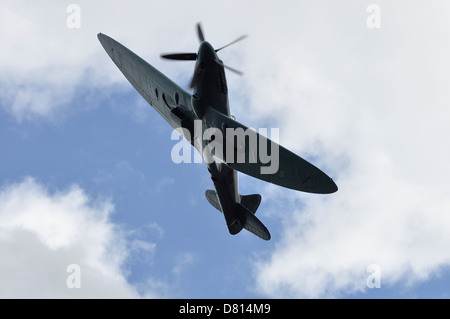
point(251, 202)
point(252, 223)
point(249, 221)
point(244, 214)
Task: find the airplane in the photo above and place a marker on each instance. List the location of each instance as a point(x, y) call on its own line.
point(209, 106)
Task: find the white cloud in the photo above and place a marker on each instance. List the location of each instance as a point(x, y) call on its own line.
point(41, 233)
point(375, 120)
point(327, 246)
point(45, 63)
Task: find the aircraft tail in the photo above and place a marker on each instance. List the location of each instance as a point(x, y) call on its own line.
point(251, 223)
point(244, 213)
point(251, 202)
point(211, 196)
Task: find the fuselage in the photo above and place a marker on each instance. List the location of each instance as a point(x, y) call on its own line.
point(211, 91)
point(211, 88)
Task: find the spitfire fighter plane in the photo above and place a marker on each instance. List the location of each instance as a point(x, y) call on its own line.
point(208, 105)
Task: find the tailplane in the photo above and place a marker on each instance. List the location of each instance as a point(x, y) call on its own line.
point(244, 214)
point(211, 196)
point(252, 223)
point(251, 202)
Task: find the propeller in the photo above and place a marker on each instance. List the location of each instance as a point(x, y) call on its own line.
point(229, 68)
point(242, 37)
point(201, 37)
point(193, 56)
point(180, 56)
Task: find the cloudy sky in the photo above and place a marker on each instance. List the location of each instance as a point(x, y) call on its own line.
point(91, 204)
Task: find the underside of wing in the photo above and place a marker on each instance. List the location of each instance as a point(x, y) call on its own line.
point(282, 167)
point(168, 99)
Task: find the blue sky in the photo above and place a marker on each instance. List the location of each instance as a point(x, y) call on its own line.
point(110, 155)
point(87, 176)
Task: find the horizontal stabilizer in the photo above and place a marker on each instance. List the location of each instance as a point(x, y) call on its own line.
point(251, 202)
point(244, 214)
point(211, 196)
point(252, 223)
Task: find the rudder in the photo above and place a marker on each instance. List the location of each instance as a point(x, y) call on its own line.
point(243, 214)
point(251, 202)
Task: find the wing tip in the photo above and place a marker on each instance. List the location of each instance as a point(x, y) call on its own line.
point(329, 187)
point(101, 36)
point(333, 188)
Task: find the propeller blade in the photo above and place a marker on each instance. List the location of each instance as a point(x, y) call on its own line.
point(201, 37)
point(233, 42)
point(229, 68)
point(180, 56)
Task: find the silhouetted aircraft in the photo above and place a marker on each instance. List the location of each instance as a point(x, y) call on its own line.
point(204, 119)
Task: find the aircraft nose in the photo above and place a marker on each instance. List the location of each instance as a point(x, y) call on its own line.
point(206, 53)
